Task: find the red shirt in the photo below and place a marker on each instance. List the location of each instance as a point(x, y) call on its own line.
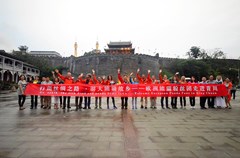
point(66, 80)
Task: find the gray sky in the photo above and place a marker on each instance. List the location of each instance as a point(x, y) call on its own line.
point(170, 27)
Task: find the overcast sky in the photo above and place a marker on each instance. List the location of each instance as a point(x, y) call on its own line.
point(170, 27)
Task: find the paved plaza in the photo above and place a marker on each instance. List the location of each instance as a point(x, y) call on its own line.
point(186, 133)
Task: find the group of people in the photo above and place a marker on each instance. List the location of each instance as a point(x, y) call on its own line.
point(64, 101)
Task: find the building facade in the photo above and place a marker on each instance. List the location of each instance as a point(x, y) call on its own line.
point(119, 48)
point(45, 53)
point(11, 68)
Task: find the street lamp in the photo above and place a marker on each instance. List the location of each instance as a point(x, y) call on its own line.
point(238, 73)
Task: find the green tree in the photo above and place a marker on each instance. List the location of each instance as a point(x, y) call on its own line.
point(194, 52)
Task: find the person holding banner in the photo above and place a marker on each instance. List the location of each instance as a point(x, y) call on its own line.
point(110, 81)
point(88, 80)
point(124, 80)
point(203, 99)
point(99, 81)
point(47, 100)
point(42, 97)
point(153, 99)
point(134, 99)
point(34, 98)
point(143, 80)
point(183, 99)
point(211, 99)
point(78, 98)
point(68, 79)
point(164, 80)
point(192, 99)
point(220, 101)
point(175, 80)
point(56, 98)
point(22, 83)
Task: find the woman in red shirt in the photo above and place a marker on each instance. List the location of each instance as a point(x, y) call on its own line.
point(68, 79)
point(164, 80)
point(110, 81)
point(143, 80)
point(124, 80)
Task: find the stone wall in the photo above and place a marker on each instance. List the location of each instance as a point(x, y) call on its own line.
point(105, 64)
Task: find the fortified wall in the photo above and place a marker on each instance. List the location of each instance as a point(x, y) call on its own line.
point(106, 64)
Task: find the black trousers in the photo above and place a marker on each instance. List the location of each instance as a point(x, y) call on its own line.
point(65, 98)
point(210, 102)
point(174, 102)
point(166, 101)
point(21, 100)
point(183, 101)
point(78, 104)
point(34, 101)
point(124, 102)
point(61, 100)
point(113, 101)
point(192, 101)
point(87, 102)
point(233, 93)
point(203, 101)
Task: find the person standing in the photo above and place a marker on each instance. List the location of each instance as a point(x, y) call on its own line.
point(203, 98)
point(164, 80)
point(60, 82)
point(79, 99)
point(220, 101)
point(134, 99)
point(153, 99)
point(21, 89)
point(175, 80)
point(67, 80)
point(192, 99)
point(143, 80)
point(124, 80)
point(88, 80)
point(233, 91)
point(56, 98)
point(110, 81)
point(48, 99)
point(211, 99)
point(228, 85)
point(183, 99)
point(99, 81)
point(42, 97)
point(34, 98)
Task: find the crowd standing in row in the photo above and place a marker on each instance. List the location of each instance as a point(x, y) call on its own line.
point(64, 101)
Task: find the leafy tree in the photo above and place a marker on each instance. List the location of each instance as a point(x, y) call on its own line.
point(194, 52)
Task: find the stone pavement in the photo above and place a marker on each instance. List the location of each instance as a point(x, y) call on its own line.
point(212, 133)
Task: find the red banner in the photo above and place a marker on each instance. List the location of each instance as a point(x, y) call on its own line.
point(127, 90)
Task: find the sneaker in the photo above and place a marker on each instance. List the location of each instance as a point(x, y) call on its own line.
point(69, 107)
point(100, 107)
point(89, 107)
point(95, 107)
point(141, 106)
point(114, 107)
point(21, 108)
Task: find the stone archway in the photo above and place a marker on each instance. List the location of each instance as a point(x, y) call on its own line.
point(16, 77)
point(7, 76)
point(1, 76)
